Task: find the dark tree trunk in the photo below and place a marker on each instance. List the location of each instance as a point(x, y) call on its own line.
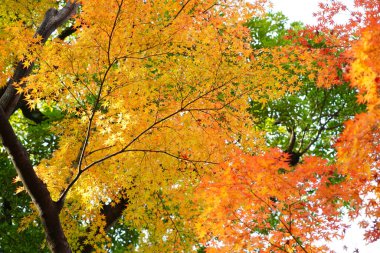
point(35, 187)
point(294, 158)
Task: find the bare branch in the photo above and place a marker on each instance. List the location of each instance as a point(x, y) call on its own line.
point(171, 155)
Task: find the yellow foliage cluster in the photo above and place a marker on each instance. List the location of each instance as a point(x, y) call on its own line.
point(153, 94)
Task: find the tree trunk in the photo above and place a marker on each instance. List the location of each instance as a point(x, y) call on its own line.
point(38, 191)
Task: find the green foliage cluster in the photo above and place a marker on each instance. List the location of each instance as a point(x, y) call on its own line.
point(271, 30)
point(306, 121)
point(312, 117)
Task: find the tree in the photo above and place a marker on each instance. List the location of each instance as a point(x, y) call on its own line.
point(357, 146)
point(149, 101)
point(289, 199)
point(361, 132)
point(149, 94)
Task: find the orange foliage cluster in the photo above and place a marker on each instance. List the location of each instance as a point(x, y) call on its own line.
point(265, 204)
point(320, 54)
point(359, 147)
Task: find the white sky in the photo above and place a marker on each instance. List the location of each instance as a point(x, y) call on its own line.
point(297, 10)
point(302, 10)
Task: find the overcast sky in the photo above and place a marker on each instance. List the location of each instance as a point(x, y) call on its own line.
point(302, 10)
point(297, 10)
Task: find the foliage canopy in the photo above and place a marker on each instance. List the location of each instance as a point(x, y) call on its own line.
point(171, 126)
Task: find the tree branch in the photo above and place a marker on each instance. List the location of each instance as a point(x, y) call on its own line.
point(67, 32)
point(111, 213)
point(52, 20)
point(169, 154)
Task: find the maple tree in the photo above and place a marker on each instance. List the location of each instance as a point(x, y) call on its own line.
point(358, 146)
point(148, 92)
point(147, 99)
point(275, 202)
